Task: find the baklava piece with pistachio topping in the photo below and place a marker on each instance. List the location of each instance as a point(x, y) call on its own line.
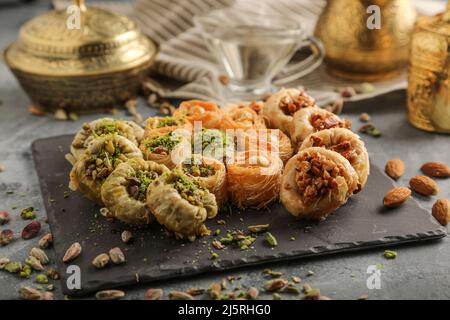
point(124, 192)
point(181, 204)
point(211, 174)
point(310, 120)
point(102, 156)
point(212, 143)
point(163, 125)
point(101, 128)
point(347, 144)
point(316, 182)
point(170, 148)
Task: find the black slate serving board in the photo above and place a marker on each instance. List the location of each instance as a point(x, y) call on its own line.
point(361, 223)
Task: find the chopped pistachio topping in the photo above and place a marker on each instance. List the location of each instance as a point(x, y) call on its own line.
point(188, 188)
point(389, 254)
point(199, 169)
point(168, 141)
point(139, 182)
point(170, 122)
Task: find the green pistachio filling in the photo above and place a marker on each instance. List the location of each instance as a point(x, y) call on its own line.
point(199, 169)
point(170, 122)
point(162, 144)
point(212, 139)
point(139, 182)
point(99, 166)
point(188, 188)
point(105, 128)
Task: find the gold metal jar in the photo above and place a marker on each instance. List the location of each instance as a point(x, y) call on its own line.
point(429, 73)
point(89, 69)
point(356, 52)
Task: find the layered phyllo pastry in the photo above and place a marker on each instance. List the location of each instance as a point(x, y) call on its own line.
point(99, 160)
point(124, 192)
point(181, 204)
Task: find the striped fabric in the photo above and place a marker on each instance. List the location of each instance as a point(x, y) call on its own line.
point(186, 69)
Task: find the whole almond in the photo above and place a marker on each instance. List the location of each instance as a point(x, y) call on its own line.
point(72, 253)
point(396, 196)
point(436, 169)
point(424, 185)
point(441, 211)
point(395, 168)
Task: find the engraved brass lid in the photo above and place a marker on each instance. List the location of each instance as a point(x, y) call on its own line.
point(106, 42)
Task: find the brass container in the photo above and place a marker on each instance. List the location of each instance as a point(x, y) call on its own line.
point(356, 52)
point(429, 73)
point(89, 69)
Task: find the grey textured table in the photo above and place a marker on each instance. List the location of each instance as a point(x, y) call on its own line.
point(420, 271)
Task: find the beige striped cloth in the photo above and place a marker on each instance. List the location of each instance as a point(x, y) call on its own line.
point(186, 69)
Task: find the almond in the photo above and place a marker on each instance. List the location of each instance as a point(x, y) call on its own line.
point(436, 169)
point(441, 211)
point(424, 185)
point(395, 168)
point(396, 196)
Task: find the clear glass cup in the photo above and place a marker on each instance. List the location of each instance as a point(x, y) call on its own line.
point(254, 48)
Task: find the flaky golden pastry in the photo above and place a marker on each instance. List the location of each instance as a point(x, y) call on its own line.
point(161, 125)
point(181, 204)
point(210, 173)
point(169, 148)
point(271, 141)
point(208, 113)
point(239, 116)
point(99, 160)
point(254, 181)
point(100, 128)
point(310, 120)
point(279, 109)
point(316, 182)
point(124, 192)
point(347, 144)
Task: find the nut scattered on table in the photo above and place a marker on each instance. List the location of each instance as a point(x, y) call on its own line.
point(46, 241)
point(109, 295)
point(4, 217)
point(275, 284)
point(72, 253)
point(6, 237)
point(28, 293)
point(154, 294)
point(436, 169)
point(126, 236)
point(100, 261)
point(34, 263)
point(31, 230)
point(180, 295)
point(441, 211)
point(40, 255)
point(116, 255)
point(424, 185)
point(395, 168)
point(364, 117)
point(396, 197)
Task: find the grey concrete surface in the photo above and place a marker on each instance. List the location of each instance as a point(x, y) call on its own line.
point(421, 271)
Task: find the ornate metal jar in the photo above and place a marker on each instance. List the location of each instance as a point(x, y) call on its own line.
point(87, 69)
point(429, 73)
point(355, 48)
